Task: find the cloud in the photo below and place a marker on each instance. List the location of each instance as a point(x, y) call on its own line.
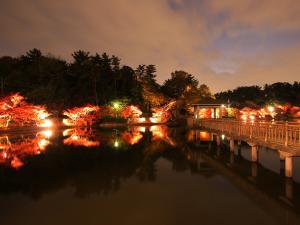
point(223, 43)
point(138, 31)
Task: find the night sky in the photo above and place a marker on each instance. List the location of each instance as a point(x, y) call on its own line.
point(224, 43)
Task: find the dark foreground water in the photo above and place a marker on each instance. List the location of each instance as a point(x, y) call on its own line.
point(140, 175)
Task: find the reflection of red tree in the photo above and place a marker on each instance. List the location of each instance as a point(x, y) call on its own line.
point(161, 133)
point(12, 152)
point(132, 137)
point(80, 137)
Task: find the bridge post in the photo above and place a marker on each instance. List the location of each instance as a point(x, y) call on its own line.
point(239, 143)
point(286, 134)
point(289, 167)
point(287, 158)
point(231, 144)
point(282, 166)
point(196, 135)
point(254, 169)
point(254, 153)
point(231, 157)
point(289, 188)
point(239, 148)
point(218, 140)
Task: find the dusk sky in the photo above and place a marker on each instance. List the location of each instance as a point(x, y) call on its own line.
point(224, 43)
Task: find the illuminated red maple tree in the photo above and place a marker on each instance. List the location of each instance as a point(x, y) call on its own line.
point(81, 116)
point(15, 111)
point(162, 114)
point(131, 111)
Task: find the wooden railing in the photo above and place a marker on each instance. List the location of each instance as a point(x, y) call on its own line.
point(281, 133)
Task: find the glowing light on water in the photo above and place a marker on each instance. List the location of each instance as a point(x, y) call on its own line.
point(47, 133)
point(116, 144)
point(79, 137)
point(46, 123)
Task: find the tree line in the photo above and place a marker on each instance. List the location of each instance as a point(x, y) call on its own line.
point(256, 96)
point(96, 79)
point(100, 79)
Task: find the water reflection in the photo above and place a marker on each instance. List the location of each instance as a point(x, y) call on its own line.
point(80, 137)
point(16, 148)
point(142, 154)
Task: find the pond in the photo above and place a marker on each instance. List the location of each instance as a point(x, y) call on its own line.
point(140, 175)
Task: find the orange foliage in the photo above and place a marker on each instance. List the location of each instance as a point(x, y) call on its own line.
point(131, 111)
point(163, 114)
point(81, 116)
point(15, 110)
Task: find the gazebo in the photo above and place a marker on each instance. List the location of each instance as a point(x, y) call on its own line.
point(209, 109)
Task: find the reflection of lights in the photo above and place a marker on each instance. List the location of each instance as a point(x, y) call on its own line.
point(131, 138)
point(15, 150)
point(204, 136)
point(142, 129)
point(46, 123)
point(223, 106)
point(79, 137)
point(43, 144)
point(161, 132)
point(116, 144)
point(223, 136)
point(47, 133)
point(16, 163)
point(252, 117)
point(67, 132)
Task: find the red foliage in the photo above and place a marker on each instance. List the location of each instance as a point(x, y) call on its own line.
point(131, 111)
point(81, 116)
point(163, 114)
point(15, 110)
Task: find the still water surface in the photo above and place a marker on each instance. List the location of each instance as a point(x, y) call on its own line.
point(140, 175)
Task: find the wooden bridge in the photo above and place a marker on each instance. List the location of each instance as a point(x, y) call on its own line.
point(279, 135)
